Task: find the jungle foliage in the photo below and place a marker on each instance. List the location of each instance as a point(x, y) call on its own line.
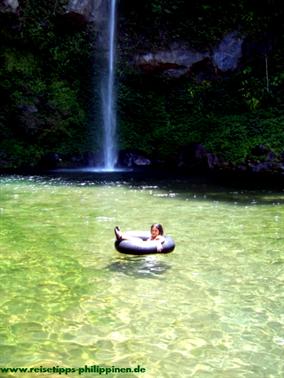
point(230, 115)
point(46, 81)
point(42, 106)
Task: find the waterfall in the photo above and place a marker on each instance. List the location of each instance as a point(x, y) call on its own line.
point(103, 114)
point(108, 95)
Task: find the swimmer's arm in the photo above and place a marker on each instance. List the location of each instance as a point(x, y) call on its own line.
point(160, 242)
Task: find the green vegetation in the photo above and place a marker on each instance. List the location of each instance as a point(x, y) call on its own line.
point(43, 83)
point(231, 114)
point(46, 81)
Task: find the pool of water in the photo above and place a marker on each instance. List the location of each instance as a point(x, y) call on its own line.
point(212, 308)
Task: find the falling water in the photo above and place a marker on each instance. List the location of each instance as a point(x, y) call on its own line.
point(108, 96)
point(103, 14)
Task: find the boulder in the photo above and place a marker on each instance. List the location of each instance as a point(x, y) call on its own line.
point(131, 159)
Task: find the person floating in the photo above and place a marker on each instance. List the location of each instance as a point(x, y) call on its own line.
point(156, 235)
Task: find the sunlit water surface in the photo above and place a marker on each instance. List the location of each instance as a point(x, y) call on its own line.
point(212, 308)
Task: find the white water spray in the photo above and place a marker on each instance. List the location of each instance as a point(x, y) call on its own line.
point(108, 96)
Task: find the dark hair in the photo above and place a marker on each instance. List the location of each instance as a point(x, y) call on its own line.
point(159, 227)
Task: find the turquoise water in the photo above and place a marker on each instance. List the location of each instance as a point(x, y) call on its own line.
point(212, 308)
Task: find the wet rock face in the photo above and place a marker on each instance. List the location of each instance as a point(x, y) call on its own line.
point(179, 59)
point(174, 62)
point(10, 5)
point(227, 54)
point(82, 11)
point(89, 10)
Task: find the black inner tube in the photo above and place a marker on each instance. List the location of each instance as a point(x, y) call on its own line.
point(137, 244)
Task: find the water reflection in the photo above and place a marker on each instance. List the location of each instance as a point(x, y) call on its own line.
point(142, 267)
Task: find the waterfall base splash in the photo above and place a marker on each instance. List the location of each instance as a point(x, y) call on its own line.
point(92, 170)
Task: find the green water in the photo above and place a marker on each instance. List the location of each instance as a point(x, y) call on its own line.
point(212, 308)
